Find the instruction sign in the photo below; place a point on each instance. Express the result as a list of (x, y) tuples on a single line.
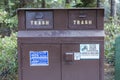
[(89, 51), (39, 58)]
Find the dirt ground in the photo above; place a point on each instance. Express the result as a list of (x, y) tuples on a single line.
[(109, 72)]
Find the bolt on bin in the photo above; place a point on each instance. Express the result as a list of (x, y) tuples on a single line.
[(61, 44)]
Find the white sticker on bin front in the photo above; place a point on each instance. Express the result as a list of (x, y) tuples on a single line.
[(77, 55), (39, 58), (89, 51)]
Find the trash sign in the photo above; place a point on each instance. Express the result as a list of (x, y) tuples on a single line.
[(39, 58)]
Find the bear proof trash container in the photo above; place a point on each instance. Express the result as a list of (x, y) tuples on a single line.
[(61, 44)]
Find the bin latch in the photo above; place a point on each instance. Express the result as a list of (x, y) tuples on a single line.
[(69, 56)]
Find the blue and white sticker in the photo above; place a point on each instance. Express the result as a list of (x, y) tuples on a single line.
[(90, 51), (39, 58)]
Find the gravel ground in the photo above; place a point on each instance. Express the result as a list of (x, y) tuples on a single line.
[(109, 72)]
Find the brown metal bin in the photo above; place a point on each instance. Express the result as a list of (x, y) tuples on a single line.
[(60, 50)]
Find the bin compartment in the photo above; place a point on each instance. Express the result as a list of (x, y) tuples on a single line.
[(82, 19), (39, 19)]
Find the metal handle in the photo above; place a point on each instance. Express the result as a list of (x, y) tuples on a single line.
[(69, 56), (82, 16), (39, 16)]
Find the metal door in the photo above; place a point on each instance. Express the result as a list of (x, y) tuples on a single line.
[(31, 71), (84, 69)]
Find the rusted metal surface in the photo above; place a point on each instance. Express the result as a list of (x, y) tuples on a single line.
[(21, 22), (100, 19), (60, 32), (60, 19)]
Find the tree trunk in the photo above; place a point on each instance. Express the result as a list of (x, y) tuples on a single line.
[(75, 1), (113, 9), (98, 3), (22, 3), (67, 3), (43, 4), (6, 5)]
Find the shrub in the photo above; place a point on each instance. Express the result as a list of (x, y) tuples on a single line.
[(8, 58), (7, 23), (111, 30)]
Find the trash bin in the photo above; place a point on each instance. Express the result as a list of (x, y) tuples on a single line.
[(61, 44)]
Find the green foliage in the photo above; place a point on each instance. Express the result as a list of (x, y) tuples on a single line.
[(8, 58), (10, 6), (48, 3), (111, 30), (7, 24), (86, 3), (8, 18)]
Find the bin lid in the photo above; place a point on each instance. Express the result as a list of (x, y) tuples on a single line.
[(62, 33)]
